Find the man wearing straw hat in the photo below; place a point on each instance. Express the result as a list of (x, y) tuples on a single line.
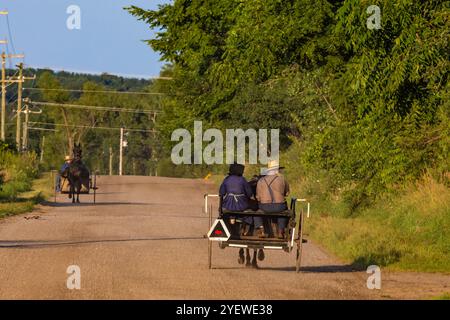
[(271, 191)]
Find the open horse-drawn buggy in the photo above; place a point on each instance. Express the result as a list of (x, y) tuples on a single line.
[(76, 179), (88, 186), (229, 231)]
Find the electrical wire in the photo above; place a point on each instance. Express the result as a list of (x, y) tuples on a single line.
[(77, 106), (14, 97), (42, 129), (95, 91), (11, 40), (8, 55), (91, 127), (34, 80)]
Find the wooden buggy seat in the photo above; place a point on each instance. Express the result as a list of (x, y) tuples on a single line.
[(251, 241)]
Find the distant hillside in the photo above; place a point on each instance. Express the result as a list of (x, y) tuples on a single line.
[(71, 80), (61, 127)]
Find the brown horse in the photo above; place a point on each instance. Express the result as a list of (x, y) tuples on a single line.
[(249, 261), (77, 174), (247, 230), (258, 254)]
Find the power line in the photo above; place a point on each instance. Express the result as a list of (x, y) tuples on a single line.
[(10, 64), (10, 34), (4, 82), (12, 99), (77, 106), (41, 129), (91, 127), (97, 91)]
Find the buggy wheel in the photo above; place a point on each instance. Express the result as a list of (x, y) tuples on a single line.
[(210, 242), (299, 243), (95, 186), (54, 186), (209, 254)]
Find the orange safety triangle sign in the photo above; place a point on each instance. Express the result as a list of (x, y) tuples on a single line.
[(219, 231)]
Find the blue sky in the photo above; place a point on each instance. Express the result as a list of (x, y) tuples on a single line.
[(109, 39)]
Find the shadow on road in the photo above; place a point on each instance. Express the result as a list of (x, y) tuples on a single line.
[(321, 269), (44, 244), (306, 269), (110, 193), (91, 204), (329, 269)]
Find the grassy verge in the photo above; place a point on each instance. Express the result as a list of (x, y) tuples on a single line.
[(409, 231), (445, 296), (41, 189)]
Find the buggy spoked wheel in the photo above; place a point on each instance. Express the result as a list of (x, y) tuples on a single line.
[(54, 185), (94, 187), (299, 243), (209, 242), (209, 255)]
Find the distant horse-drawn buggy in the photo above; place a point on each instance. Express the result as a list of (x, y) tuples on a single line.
[(75, 178)]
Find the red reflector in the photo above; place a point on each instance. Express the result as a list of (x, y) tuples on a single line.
[(218, 232)]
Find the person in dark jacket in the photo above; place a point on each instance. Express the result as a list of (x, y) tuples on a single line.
[(235, 190), (62, 172), (236, 194)]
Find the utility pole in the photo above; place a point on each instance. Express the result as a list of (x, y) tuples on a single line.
[(19, 106), (110, 160), (20, 80), (3, 116), (25, 129), (4, 82), (121, 152), (42, 150), (155, 160), (25, 126)]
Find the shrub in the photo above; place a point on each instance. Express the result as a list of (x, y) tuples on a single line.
[(16, 171)]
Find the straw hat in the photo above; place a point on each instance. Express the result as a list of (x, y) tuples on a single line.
[(67, 158), (272, 165)]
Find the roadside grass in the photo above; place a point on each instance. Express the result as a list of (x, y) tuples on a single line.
[(217, 179), (406, 231), (409, 231), (445, 296), (41, 189)]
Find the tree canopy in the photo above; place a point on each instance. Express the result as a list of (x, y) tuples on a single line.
[(369, 107)]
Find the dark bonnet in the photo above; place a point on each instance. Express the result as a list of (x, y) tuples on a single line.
[(236, 169)]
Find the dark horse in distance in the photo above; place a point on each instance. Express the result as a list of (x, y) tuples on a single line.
[(78, 174)]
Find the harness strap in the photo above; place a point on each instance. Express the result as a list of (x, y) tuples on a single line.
[(270, 189)]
